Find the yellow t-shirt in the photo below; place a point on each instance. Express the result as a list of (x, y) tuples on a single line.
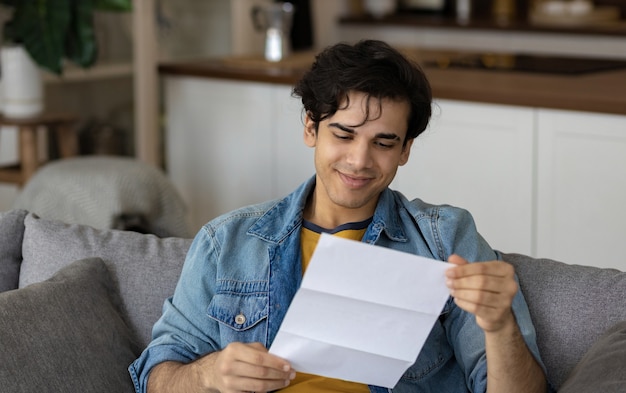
[(308, 383)]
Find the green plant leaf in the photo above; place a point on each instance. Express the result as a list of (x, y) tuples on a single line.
[(80, 41), (114, 5), (41, 25), (52, 30)]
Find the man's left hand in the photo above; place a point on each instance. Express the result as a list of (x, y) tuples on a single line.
[(485, 289)]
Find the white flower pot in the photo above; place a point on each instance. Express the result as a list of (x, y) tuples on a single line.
[(22, 85)]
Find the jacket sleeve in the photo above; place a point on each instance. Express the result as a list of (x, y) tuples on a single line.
[(458, 235)]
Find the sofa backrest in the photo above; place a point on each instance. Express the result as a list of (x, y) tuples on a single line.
[(571, 307), (145, 268)]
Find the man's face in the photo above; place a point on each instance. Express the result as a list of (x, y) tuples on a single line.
[(355, 163)]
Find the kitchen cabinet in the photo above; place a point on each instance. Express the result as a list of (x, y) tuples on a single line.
[(478, 157), (543, 182), (581, 188)]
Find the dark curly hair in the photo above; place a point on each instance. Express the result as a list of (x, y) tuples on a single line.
[(371, 67)]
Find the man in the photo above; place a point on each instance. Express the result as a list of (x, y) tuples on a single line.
[(364, 105)]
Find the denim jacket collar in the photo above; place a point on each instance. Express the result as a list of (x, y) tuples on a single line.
[(387, 217), (286, 216)]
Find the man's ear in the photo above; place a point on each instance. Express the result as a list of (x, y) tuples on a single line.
[(406, 152), (310, 133)]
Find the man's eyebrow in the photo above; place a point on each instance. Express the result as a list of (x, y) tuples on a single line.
[(382, 135), (342, 127), (390, 136)]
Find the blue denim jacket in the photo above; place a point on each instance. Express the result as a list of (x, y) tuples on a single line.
[(244, 268)]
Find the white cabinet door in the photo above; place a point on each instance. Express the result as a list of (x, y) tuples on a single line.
[(218, 144), (293, 161), (230, 144), (582, 188), (478, 157)]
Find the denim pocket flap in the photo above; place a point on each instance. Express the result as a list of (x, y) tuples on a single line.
[(239, 312)]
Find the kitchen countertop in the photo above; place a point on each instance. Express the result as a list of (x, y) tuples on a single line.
[(603, 92)]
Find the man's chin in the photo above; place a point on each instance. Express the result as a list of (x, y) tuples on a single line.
[(349, 202)]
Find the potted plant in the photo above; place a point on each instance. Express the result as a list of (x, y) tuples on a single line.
[(49, 32)]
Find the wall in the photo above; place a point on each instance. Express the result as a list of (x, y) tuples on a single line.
[(194, 28), (477, 40), (328, 31)]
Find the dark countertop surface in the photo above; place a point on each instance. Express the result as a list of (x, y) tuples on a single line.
[(602, 92)]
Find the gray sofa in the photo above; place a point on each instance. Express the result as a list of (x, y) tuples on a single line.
[(87, 300)]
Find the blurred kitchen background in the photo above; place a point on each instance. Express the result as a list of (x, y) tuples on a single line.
[(122, 99), (191, 29)]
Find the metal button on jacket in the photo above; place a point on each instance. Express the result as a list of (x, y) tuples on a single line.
[(240, 319)]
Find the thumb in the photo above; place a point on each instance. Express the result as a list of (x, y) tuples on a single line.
[(457, 260)]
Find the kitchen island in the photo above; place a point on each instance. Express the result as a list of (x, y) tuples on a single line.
[(538, 158)]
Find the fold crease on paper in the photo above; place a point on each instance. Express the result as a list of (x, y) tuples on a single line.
[(362, 313)]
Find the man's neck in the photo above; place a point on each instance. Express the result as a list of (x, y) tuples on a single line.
[(333, 217)]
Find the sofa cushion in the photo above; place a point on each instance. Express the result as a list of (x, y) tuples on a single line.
[(11, 235), (145, 268), (602, 369), (66, 334), (571, 307)]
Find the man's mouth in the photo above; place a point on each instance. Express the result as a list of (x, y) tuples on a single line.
[(353, 181)]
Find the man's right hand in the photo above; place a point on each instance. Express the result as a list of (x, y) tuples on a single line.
[(237, 368)]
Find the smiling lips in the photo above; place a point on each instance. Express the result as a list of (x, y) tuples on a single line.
[(354, 181)]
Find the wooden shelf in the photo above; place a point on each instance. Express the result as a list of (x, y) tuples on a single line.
[(11, 174)]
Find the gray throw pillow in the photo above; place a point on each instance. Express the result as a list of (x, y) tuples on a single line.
[(145, 268), (603, 368), (65, 334), (11, 235)]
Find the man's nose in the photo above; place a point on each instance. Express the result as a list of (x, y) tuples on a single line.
[(359, 155)]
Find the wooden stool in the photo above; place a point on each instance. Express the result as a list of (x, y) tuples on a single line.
[(67, 142)]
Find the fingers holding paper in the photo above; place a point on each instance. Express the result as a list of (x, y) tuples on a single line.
[(249, 367), (485, 289)]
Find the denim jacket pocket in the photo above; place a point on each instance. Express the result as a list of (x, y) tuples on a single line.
[(434, 355), (241, 317)]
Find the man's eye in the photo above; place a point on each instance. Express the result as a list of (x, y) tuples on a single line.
[(384, 145), (344, 137)]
